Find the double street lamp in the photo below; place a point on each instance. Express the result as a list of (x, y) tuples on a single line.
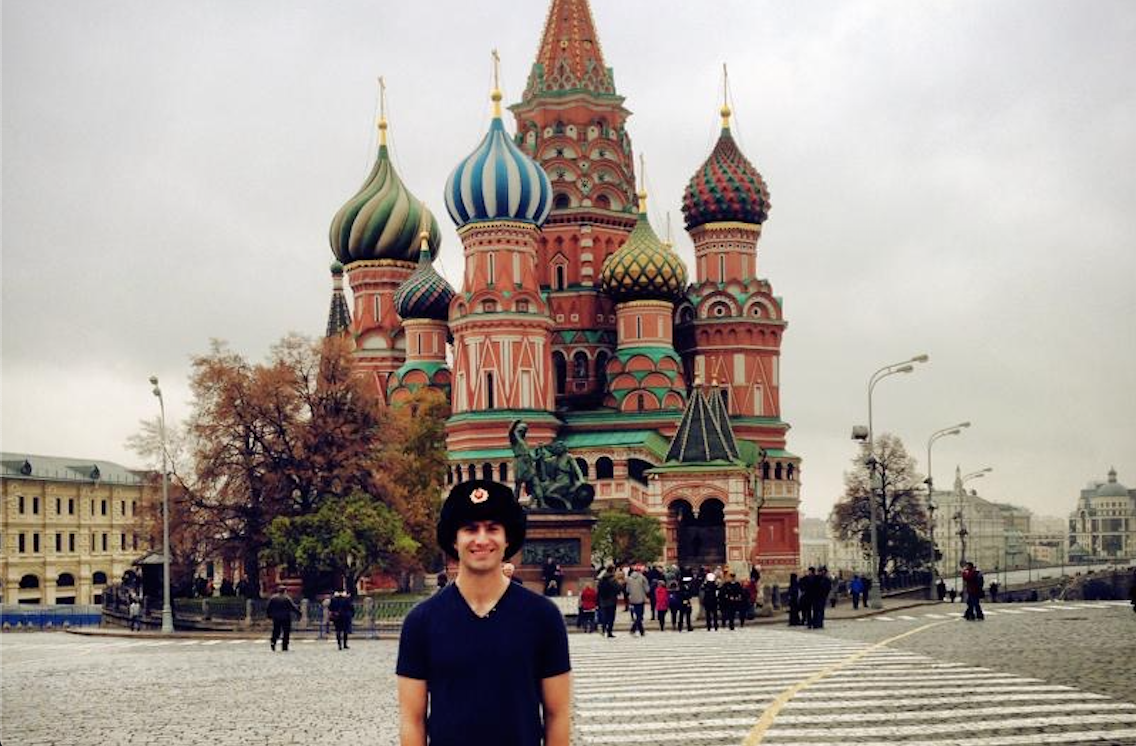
[(930, 481), (167, 610), (960, 517), (875, 598)]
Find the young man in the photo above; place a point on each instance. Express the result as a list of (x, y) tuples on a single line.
[(972, 579), (483, 660)]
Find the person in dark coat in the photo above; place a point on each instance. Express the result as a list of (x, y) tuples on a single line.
[(607, 593), (342, 611), (973, 582), (941, 590), (731, 600), (794, 601), (806, 601), (822, 586), (710, 601), (280, 609)]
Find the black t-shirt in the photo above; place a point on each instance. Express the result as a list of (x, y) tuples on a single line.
[(483, 674)]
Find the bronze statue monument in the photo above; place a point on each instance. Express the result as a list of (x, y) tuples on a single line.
[(549, 474)]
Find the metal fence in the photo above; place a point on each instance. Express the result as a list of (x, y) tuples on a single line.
[(44, 617)]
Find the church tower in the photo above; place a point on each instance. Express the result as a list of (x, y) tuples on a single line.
[(572, 122), (423, 304), (498, 198), (730, 328), (375, 236)]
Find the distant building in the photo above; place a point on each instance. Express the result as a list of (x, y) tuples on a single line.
[(68, 527), (814, 542), (971, 529), (1104, 524)]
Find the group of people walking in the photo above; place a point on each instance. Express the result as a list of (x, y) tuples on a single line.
[(810, 594), (667, 593)]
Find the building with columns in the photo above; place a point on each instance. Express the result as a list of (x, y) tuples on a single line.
[(68, 527), (1103, 526), (576, 318)]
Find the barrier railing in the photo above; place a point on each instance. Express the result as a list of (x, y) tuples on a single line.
[(45, 617)]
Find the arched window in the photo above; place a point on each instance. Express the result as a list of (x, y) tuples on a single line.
[(487, 472), (637, 469), (601, 369), (580, 365), (490, 391), (561, 201), (765, 470), (561, 277), (560, 368), (777, 471), (503, 473), (789, 472), (605, 469), (603, 202), (29, 581), (471, 472), (65, 580), (449, 476), (99, 578), (583, 466)]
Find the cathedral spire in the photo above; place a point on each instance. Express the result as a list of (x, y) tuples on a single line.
[(569, 57)]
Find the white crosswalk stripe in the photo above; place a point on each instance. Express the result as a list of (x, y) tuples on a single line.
[(886, 696)]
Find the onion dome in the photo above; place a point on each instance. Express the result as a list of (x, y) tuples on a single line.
[(383, 219), (726, 187), (497, 181), (644, 268), (425, 294)]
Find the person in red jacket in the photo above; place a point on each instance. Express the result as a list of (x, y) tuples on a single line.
[(973, 582), (662, 601), (589, 599)]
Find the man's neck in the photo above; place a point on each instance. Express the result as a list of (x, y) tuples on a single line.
[(480, 590)]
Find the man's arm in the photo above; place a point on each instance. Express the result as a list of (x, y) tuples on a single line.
[(412, 712), (556, 692)]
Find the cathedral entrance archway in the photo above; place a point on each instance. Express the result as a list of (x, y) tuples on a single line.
[(701, 533)]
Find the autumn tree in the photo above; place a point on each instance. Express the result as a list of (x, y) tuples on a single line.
[(624, 538), (902, 528), (270, 440), (349, 537), (410, 473)]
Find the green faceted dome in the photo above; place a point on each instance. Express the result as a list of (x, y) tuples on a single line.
[(644, 268), (383, 219)]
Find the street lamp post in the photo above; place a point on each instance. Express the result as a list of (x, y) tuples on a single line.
[(962, 481), (875, 598), (942, 433), (167, 610)]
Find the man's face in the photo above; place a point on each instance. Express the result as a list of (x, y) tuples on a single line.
[(481, 546)]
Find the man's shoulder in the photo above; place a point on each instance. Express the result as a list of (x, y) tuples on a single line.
[(427, 607)]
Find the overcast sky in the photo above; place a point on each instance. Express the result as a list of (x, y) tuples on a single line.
[(951, 178)]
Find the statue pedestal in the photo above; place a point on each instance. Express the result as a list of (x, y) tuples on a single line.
[(564, 535)]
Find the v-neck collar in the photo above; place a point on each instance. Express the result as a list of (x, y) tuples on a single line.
[(464, 602)]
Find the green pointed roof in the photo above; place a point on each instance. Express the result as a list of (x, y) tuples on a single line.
[(703, 436)]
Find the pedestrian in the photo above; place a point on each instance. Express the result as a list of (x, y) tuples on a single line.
[(994, 592), (834, 592), (794, 600), (442, 579), (341, 610), (637, 592), (485, 658), (674, 605), (953, 594), (509, 570), (662, 602), (686, 593), (749, 593), (731, 600), (607, 593), (710, 601), (807, 585), (973, 583), (654, 576), (280, 609), (857, 588), (941, 590), (1132, 591), (589, 601), (821, 589), (135, 610)]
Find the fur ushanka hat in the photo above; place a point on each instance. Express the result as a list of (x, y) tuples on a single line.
[(481, 500)]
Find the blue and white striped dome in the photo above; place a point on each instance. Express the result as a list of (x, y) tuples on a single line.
[(498, 182)]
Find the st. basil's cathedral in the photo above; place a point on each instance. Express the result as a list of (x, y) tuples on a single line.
[(574, 317)]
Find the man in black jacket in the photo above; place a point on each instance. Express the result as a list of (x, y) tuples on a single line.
[(341, 610), (821, 586), (280, 610)]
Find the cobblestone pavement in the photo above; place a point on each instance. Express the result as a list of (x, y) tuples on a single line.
[(696, 688)]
